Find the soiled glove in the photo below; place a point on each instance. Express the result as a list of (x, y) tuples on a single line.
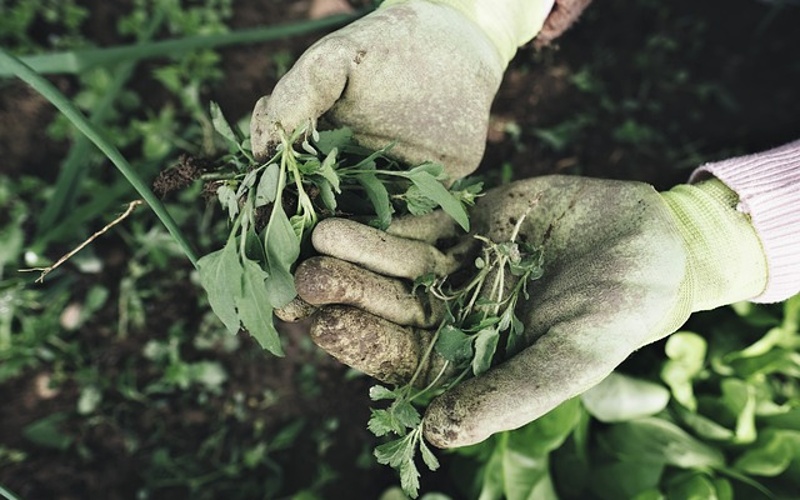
[(420, 74), (624, 267)]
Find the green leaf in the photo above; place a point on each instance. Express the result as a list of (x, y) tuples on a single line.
[(739, 397), (454, 345), (703, 426), (772, 454), (326, 171), (246, 183), (229, 201), (417, 203), (695, 485), (655, 440), (427, 455), (405, 413), (433, 189), (221, 125), (549, 431), (620, 397), (626, 479), (267, 189), (327, 195), (283, 248), (395, 452), (329, 140), (46, 432), (378, 196), (527, 477), (221, 277), (409, 478), (383, 422), (379, 392), (485, 347), (686, 352), (519, 466), (254, 308), (467, 190)]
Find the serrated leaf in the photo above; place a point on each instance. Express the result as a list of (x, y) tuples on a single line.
[(434, 190), (383, 422), (221, 277), (427, 455), (267, 189), (405, 413), (409, 478), (254, 308), (378, 196), (395, 452)]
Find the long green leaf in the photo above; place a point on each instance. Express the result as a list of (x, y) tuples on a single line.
[(52, 94), (5, 493), (221, 276), (436, 191), (81, 154), (74, 62), (254, 310)]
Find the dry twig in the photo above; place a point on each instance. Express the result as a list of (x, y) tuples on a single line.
[(47, 270)]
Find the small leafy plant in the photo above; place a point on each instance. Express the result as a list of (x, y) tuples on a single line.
[(273, 206), (478, 315)]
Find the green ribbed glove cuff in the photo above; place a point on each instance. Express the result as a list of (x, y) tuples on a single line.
[(507, 23), (726, 262)]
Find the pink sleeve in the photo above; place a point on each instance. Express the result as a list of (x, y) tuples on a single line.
[(768, 185)]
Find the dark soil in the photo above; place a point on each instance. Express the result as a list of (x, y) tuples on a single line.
[(641, 90)]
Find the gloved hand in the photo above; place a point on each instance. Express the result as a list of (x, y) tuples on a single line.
[(420, 74), (623, 267)]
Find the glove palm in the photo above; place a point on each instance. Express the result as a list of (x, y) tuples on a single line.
[(624, 266)]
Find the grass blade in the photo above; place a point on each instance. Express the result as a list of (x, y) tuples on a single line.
[(73, 62), (75, 165), (52, 94)]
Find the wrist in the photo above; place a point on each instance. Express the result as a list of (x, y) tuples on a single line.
[(726, 261), (507, 24)]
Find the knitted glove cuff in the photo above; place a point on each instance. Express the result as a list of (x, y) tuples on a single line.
[(768, 186), (507, 23), (726, 262)]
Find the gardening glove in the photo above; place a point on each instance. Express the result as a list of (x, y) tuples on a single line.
[(624, 266), (419, 74)]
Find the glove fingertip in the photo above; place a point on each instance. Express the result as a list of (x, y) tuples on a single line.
[(260, 129), (295, 311), (444, 421)]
